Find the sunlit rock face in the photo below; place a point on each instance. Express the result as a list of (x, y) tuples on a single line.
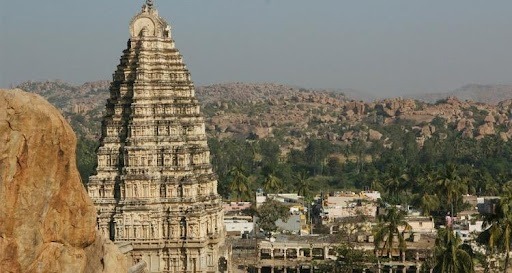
[(154, 186), (47, 221)]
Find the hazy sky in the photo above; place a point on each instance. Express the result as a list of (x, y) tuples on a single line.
[(384, 47)]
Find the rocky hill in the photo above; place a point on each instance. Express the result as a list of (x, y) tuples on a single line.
[(254, 93), (295, 114), (68, 97), (82, 105)]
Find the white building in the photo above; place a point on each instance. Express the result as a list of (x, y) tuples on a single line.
[(285, 198), (238, 225)]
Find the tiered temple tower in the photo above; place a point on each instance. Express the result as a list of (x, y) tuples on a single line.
[(154, 186)]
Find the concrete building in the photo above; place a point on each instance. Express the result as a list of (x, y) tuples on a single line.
[(348, 204), (487, 204), (305, 254), (237, 226), (154, 187), (236, 207), (285, 198)]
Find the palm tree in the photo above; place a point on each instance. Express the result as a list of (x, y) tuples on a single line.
[(396, 182), (498, 233), (424, 189), (450, 255), (272, 183), (391, 225), (376, 185), (451, 185), (303, 186), (239, 183), (429, 203), (486, 184)]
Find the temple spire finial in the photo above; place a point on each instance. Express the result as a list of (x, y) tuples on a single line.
[(149, 3)]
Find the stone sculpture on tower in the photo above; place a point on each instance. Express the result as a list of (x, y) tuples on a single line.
[(154, 186)]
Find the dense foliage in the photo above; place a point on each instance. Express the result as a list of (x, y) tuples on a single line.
[(497, 237), (444, 168), (86, 157)]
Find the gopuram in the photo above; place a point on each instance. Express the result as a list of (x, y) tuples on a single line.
[(154, 186)]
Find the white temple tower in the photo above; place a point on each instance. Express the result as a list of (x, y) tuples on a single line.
[(154, 186)]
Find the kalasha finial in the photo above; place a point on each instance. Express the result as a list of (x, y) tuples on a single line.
[(149, 3)]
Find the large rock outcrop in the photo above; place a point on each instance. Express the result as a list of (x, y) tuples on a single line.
[(47, 221)]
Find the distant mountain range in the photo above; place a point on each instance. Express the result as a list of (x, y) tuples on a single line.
[(490, 94)]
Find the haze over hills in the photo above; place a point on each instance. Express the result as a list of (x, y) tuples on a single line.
[(89, 92), (490, 93)]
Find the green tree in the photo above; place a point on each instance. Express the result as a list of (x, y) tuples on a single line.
[(358, 148), (334, 167), (86, 157), (316, 152), (498, 225), (351, 226), (451, 185), (272, 183), (351, 258), (269, 212), (391, 225), (303, 184), (395, 183), (239, 184), (425, 195), (227, 153), (269, 151), (450, 254), (429, 203), (486, 184)]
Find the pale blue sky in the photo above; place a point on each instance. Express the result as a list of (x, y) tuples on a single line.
[(384, 47)]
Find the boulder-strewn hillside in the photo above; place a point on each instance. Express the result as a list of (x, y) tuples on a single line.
[(296, 114), (254, 93), (68, 97), (82, 105)]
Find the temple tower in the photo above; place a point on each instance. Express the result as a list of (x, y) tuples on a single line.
[(154, 186)]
